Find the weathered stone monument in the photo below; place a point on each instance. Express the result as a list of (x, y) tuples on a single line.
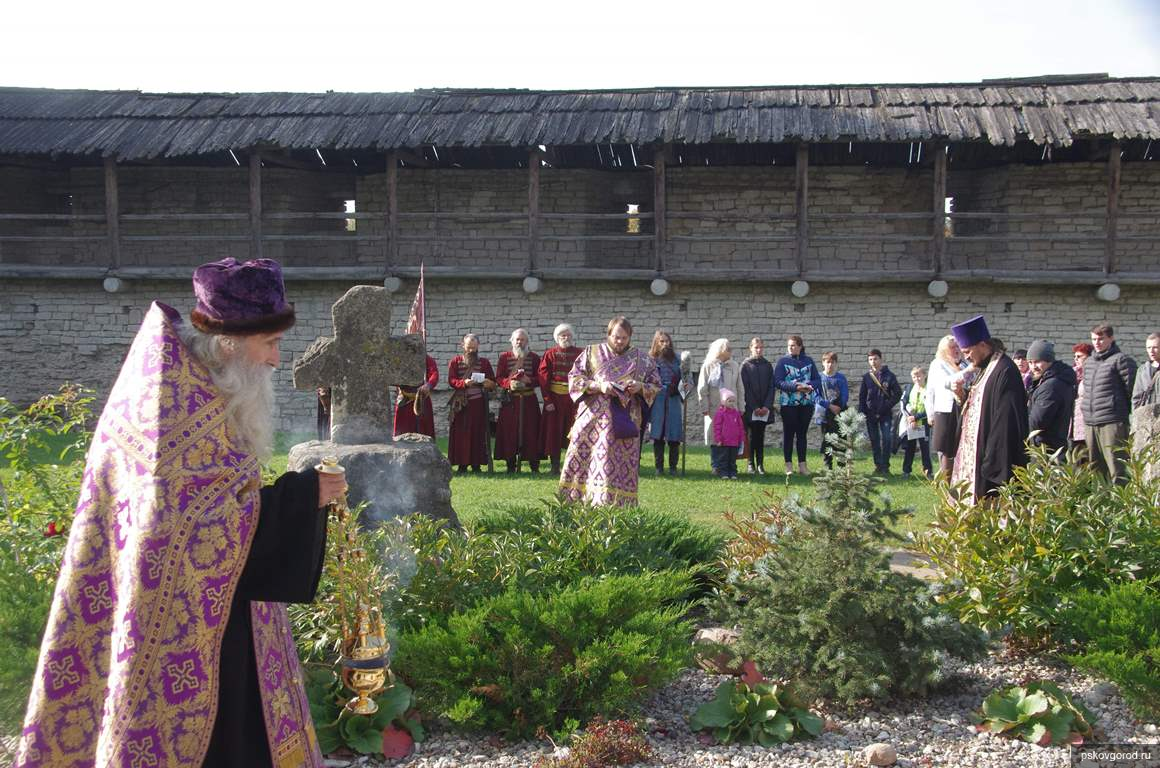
[(1146, 436), (360, 363)]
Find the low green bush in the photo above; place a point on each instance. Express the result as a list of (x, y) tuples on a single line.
[(38, 497), (522, 661), (1116, 635), (823, 608), (1014, 563), (530, 548), (29, 562), (608, 539)]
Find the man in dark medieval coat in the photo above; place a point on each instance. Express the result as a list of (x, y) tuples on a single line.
[(517, 435), (471, 377), (413, 408), (994, 420), (168, 643), (559, 408)]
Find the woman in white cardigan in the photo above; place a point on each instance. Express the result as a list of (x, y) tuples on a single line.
[(719, 371), (941, 405)]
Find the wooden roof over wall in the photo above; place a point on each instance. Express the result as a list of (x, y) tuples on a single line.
[(131, 125)]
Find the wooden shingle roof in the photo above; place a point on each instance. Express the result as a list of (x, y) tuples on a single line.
[(131, 125)]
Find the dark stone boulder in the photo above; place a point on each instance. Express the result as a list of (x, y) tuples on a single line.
[(396, 479)]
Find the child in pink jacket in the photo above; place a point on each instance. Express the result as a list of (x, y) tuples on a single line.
[(728, 434)]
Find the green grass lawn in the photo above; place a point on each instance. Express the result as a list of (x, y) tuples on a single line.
[(698, 494)]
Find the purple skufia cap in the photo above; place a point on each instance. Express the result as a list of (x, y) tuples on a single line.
[(241, 298), (970, 332)]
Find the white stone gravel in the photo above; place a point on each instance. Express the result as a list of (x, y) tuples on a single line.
[(925, 732)]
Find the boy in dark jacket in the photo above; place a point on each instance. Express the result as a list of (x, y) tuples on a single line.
[(1051, 399), (876, 400)]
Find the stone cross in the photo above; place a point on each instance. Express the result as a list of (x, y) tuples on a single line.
[(359, 363), (1146, 437)]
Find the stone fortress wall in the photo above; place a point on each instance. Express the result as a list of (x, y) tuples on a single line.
[(57, 330), (743, 200)]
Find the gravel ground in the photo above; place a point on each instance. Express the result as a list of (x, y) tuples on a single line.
[(930, 732)]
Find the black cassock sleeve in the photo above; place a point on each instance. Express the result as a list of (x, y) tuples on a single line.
[(1004, 425), (285, 561), (284, 566)]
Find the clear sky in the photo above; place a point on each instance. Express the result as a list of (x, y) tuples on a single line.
[(400, 45)]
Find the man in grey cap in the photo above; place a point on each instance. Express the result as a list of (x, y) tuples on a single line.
[(1051, 398)]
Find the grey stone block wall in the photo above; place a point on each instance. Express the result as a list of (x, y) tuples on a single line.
[(57, 331), (52, 332)]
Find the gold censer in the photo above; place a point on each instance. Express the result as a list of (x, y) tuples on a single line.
[(364, 638)]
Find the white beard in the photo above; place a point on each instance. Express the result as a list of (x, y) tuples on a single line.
[(520, 351), (249, 388)]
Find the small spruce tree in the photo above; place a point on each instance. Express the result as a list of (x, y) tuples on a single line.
[(823, 607)]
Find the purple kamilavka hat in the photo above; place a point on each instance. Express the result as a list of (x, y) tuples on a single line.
[(970, 332), (241, 297)]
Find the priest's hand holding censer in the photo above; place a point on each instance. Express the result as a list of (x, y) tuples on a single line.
[(364, 641)]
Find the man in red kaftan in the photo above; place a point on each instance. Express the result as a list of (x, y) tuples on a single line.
[(559, 408), (472, 378), (517, 435), (413, 410)]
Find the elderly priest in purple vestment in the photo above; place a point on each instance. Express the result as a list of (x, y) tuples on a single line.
[(993, 432), (167, 643)]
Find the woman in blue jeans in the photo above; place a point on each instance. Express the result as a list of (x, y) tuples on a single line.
[(796, 378)]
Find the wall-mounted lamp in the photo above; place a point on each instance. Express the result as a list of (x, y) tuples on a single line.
[(1108, 292)]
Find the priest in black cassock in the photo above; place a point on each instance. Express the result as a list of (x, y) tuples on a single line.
[(993, 432)]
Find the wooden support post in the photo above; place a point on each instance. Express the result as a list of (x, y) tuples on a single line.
[(392, 255), (534, 157), (112, 213), (938, 241), (660, 224), (1113, 209), (802, 202), (255, 204)]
